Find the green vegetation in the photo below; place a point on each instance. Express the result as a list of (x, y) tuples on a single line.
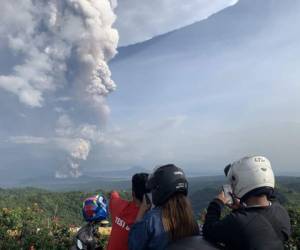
[(294, 242), (32, 218), (41, 219), (29, 228), (65, 205)]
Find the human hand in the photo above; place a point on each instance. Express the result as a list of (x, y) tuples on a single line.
[(226, 201), (144, 207), (235, 205), (146, 203), (221, 197), (203, 216)]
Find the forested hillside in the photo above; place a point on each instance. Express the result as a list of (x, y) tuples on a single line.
[(44, 219)]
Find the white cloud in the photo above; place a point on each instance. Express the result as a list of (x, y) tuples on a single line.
[(45, 35), (20, 87), (64, 99), (141, 20), (60, 46), (27, 139), (147, 142)]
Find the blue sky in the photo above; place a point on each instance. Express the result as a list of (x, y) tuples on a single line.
[(201, 96), (214, 91)]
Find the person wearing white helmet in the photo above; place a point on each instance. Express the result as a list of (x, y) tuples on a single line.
[(255, 222)]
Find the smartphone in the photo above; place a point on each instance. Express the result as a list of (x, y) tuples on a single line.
[(228, 193)]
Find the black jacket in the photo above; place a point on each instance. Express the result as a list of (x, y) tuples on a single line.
[(86, 238), (248, 228)]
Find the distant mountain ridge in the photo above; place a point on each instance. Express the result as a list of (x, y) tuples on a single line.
[(103, 179), (126, 173), (225, 24), (113, 179)]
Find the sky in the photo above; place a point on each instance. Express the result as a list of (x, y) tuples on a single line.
[(200, 97), (214, 91)]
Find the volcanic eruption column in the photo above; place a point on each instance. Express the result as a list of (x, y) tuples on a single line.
[(54, 38)]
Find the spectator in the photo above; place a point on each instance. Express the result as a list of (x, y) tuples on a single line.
[(256, 222), (123, 212), (172, 217), (94, 211)]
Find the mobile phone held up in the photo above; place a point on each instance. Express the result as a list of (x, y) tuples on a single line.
[(228, 193), (148, 197)]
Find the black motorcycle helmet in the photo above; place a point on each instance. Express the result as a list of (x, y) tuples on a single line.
[(165, 181)]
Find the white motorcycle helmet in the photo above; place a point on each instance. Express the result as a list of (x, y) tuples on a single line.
[(249, 174)]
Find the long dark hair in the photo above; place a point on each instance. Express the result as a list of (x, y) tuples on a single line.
[(178, 217)]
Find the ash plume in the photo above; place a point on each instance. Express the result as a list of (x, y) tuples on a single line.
[(79, 150), (46, 36), (77, 142), (60, 45)]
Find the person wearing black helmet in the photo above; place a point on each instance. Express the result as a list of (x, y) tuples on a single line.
[(171, 218), (257, 222)]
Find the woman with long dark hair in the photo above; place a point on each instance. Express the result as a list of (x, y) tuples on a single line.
[(172, 217)]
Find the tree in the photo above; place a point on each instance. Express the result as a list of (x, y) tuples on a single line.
[(294, 242)]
